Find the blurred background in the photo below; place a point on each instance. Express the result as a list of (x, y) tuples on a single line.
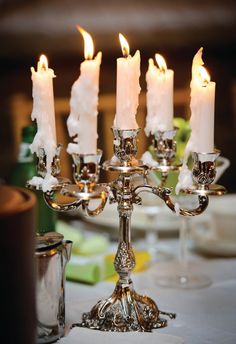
[(176, 29)]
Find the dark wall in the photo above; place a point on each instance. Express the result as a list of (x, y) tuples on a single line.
[(20, 50)]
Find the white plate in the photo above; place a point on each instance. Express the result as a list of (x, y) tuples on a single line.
[(206, 243), (205, 240)]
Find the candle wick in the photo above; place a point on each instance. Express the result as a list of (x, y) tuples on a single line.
[(205, 83), (163, 70), (125, 52)]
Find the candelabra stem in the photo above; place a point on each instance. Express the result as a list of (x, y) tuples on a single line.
[(125, 260), (125, 223)]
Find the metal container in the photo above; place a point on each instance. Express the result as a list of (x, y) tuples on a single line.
[(52, 254)]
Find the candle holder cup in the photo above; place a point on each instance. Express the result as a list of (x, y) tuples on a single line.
[(126, 310), (204, 173), (42, 162), (164, 148), (42, 171), (86, 167)]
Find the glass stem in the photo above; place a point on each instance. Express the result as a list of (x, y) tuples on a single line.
[(183, 246), (151, 236)]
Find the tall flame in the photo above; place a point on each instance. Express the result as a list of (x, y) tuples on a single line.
[(161, 63), (43, 63), (88, 44), (124, 45), (204, 75)]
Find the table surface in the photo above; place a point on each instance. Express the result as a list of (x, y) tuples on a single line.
[(204, 316)]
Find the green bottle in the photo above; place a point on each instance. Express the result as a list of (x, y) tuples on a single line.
[(25, 169)]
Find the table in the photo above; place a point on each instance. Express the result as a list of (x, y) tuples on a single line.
[(204, 316)]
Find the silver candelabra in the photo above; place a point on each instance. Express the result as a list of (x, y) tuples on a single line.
[(125, 310)]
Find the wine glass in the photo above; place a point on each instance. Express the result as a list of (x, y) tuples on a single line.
[(184, 279)]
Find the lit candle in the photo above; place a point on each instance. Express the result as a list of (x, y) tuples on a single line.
[(202, 108), (127, 88), (159, 96), (202, 118), (82, 121), (43, 111)]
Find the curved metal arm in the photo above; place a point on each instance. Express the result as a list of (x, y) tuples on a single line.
[(63, 207), (164, 194), (99, 208), (203, 201), (81, 195)]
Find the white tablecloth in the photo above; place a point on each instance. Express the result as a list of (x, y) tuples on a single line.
[(204, 316)]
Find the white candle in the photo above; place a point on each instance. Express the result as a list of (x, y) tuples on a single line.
[(82, 121), (202, 118), (43, 111), (127, 88), (160, 86), (202, 108)]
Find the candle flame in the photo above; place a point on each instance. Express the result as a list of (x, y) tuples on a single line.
[(204, 75), (43, 63), (124, 45), (161, 63), (88, 44)]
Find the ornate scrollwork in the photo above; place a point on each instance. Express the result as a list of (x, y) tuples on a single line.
[(86, 167), (55, 166), (125, 259), (125, 311), (204, 172)]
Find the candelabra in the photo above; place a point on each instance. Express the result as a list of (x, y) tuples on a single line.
[(125, 310)]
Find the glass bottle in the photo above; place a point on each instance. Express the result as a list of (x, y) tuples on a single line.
[(25, 168)]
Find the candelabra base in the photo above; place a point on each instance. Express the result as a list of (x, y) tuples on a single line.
[(125, 311)]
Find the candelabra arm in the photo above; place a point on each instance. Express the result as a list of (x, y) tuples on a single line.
[(164, 194), (203, 201), (144, 188), (98, 210), (49, 198)]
